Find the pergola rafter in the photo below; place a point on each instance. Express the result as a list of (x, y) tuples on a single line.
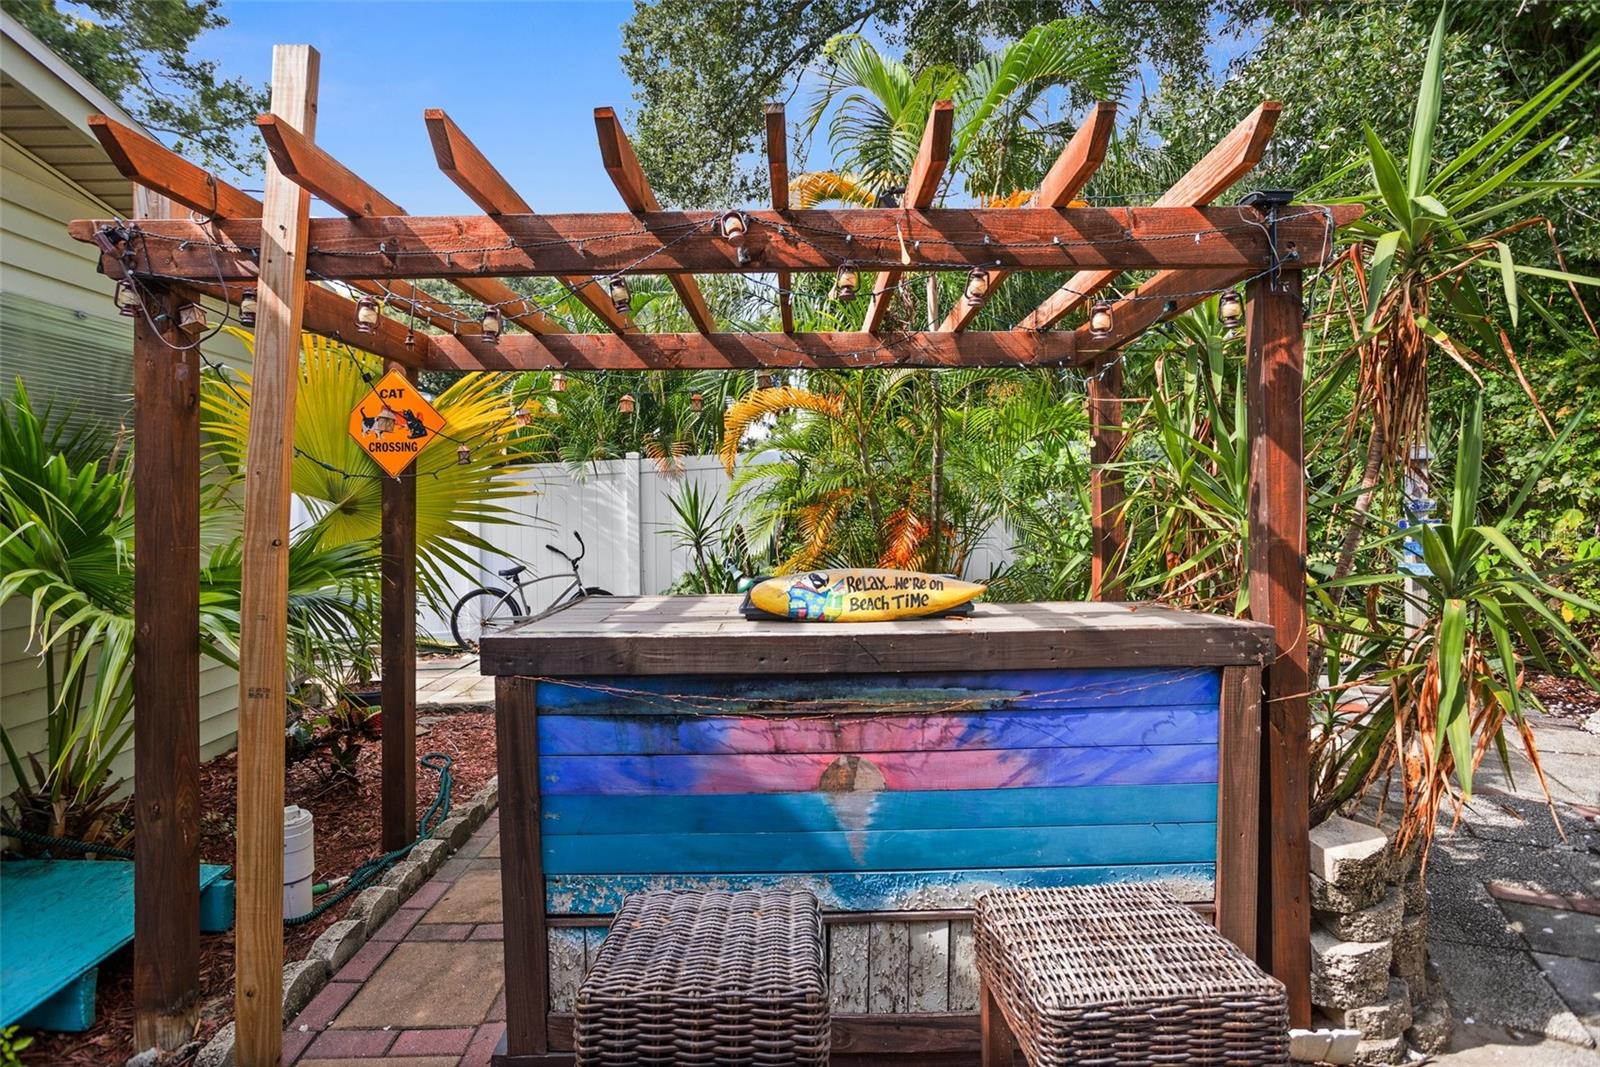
[(277, 248)]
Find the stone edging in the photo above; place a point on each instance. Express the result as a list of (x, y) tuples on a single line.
[(304, 979)]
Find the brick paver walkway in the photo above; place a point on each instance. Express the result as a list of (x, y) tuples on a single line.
[(426, 990)]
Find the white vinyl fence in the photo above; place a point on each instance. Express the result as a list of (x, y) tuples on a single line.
[(623, 510)]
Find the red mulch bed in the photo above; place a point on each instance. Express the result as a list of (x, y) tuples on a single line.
[(1564, 696), (347, 829)]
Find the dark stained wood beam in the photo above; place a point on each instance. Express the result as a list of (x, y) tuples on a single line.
[(330, 181), (1072, 170), (1107, 497), (815, 240), (397, 562), (1233, 157), (745, 351), (921, 187), (470, 169), (154, 166), (778, 176), (616, 152)]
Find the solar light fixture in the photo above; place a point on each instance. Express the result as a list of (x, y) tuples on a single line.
[(621, 295), (1100, 320), (127, 298), (247, 308), (625, 405), (367, 314), (191, 319), (384, 420), (463, 455), (696, 402), (522, 415), (491, 324)]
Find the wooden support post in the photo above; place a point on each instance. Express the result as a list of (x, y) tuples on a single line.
[(1239, 806), (1105, 485), (166, 677), (399, 660), (522, 868), (258, 938), (1276, 347)]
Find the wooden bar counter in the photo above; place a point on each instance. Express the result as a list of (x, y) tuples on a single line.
[(895, 769)]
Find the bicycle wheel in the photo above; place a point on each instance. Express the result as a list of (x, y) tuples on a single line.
[(481, 611)]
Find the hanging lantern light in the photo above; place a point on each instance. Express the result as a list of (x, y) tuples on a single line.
[(127, 298), (697, 402), (247, 308), (463, 455), (1232, 308), (977, 285), (845, 284), (558, 382), (625, 405), (384, 420), (191, 319), (733, 225), (621, 295), (367, 314), (522, 415), (491, 323), (767, 381), (1100, 320)]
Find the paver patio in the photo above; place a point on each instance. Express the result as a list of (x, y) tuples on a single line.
[(1514, 931), (452, 679)]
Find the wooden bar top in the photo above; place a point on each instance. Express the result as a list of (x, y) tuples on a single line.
[(707, 635)]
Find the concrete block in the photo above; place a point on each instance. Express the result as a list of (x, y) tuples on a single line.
[(429, 854), (1349, 855), (1431, 1026), (302, 980), (455, 830), (1383, 1050), (1323, 1045), (1376, 923), (1410, 951), (375, 904), (1387, 1018), (490, 793), (1327, 897), (334, 947), (1414, 891), (1348, 974), (218, 1052), (405, 877)]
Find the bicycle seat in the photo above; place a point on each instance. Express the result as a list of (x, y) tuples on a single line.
[(510, 573)]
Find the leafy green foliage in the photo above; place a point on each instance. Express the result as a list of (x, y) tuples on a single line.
[(137, 53)]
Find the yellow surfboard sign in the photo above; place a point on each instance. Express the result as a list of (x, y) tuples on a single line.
[(861, 595)]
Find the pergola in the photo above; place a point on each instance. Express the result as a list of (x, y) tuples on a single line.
[(226, 242)]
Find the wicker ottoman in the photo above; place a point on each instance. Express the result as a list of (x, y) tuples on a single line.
[(1119, 974), (707, 978)]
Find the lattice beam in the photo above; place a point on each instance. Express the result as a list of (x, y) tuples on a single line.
[(921, 188), (778, 176)]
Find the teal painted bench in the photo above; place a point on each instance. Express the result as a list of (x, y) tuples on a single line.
[(59, 919)]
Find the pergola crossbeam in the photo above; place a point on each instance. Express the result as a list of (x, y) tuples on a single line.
[(622, 164), (1233, 157), (921, 187), (463, 163), (778, 176), (1072, 170), (336, 185)]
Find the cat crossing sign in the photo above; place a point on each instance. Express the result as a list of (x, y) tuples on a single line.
[(393, 423)]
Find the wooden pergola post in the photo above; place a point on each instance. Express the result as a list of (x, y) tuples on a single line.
[(398, 553), (166, 670), (1276, 355), (1109, 532), (281, 292)]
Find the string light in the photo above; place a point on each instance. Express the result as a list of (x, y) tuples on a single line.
[(733, 225), (621, 295), (463, 455), (384, 421), (1231, 306), (696, 402), (625, 405), (367, 314), (492, 322), (247, 308), (1101, 320), (558, 382), (845, 284), (977, 285), (192, 319), (522, 415), (127, 299)]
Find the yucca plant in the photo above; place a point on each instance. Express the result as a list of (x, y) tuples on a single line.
[(1451, 675)]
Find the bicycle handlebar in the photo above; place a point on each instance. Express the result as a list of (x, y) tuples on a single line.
[(582, 548)]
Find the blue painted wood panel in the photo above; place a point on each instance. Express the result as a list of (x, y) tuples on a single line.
[(882, 850), (874, 891), (590, 815), (805, 772), (789, 694), (574, 735)]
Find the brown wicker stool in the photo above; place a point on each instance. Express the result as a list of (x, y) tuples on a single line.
[(1119, 974), (707, 978)]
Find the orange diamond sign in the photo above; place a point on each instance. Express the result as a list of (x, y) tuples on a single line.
[(394, 423)]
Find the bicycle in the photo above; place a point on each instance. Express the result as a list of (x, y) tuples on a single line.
[(487, 608)]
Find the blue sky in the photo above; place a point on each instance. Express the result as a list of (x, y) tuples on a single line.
[(521, 78)]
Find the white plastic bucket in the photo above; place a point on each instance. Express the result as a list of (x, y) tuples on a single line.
[(299, 857)]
